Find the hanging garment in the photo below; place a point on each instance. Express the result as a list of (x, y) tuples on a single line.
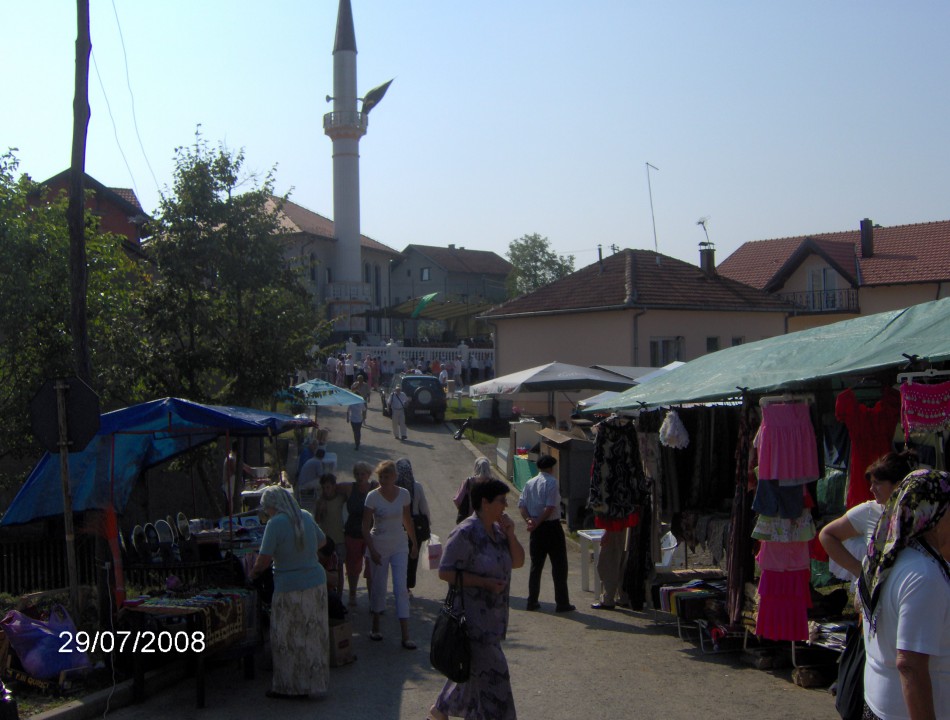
[(776, 501), (776, 529), (788, 450), (872, 432), (617, 481), (740, 566), (925, 408), (672, 432), (784, 600)]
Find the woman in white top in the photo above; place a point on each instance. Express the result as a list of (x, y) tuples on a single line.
[(846, 539), (387, 523)]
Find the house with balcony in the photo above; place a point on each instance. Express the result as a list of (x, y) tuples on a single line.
[(836, 276), (633, 308), (309, 244)]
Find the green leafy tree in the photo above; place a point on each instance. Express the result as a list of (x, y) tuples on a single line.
[(226, 317), (35, 339), (535, 264)]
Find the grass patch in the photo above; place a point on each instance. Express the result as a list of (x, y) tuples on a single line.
[(454, 412)]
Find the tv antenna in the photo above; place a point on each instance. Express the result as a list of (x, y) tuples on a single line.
[(702, 221)]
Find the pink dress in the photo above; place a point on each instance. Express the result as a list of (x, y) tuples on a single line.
[(788, 450)]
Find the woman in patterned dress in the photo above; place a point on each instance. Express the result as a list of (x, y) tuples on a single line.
[(299, 626), (484, 548)]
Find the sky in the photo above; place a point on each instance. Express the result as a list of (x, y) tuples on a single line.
[(771, 119)]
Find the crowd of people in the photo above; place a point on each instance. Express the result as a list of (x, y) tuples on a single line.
[(895, 548), (371, 528), (343, 370)]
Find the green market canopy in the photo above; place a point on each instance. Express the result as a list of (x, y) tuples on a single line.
[(796, 361)]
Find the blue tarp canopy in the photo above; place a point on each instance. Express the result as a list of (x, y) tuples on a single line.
[(798, 360), (129, 441)]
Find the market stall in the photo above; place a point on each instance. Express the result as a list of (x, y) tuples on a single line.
[(807, 406)]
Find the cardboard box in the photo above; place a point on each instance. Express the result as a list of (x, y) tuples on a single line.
[(341, 644)]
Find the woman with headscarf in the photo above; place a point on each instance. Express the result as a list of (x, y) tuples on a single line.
[(462, 498), (905, 597), (386, 525), (299, 629), (418, 506)]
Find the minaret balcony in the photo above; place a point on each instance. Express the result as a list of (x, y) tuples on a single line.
[(345, 121)]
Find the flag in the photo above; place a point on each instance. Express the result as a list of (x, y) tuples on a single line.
[(425, 300), (375, 95)]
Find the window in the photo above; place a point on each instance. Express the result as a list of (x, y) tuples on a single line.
[(737, 340), (329, 276), (712, 344), (424, 274), (664, 350), (822, 289), (313, 267)]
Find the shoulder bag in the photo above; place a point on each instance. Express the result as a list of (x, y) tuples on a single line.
[(420, 521), (450, 652)]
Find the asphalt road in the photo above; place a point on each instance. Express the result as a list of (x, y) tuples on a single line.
[(585, 664)]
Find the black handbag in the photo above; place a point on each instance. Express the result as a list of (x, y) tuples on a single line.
[(849, 697), (423, 531), (420, 522), (450, 652)]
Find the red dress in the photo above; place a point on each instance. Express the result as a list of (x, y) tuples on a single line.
[(871, 430)]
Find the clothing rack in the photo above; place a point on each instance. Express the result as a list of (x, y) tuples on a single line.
[(787, 398)]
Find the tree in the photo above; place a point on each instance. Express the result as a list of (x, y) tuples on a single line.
[(535, 264), (227, 319), (35, 335)]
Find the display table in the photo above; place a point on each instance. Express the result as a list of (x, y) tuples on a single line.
[(590, 539), (226, 618), (523, 470)]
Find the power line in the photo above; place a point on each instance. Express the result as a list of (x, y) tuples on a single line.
[(115, 130), (128, 82)]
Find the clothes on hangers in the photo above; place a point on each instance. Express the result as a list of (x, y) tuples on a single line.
[(871, 430), (618, 483), (925, 408), (788, 450)]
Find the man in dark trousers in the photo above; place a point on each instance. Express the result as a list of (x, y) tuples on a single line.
[(540, 506)]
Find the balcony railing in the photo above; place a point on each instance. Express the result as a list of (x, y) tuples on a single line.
[(824, 301), (349, 292), (349, 119)]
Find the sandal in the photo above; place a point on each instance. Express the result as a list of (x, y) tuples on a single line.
[(377, 636), (409, 644)]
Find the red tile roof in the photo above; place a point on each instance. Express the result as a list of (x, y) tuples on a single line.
[(295, 218), (640, 278), (902, 254), (461, 260)]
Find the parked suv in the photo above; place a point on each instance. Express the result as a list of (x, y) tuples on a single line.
[(424, 392)]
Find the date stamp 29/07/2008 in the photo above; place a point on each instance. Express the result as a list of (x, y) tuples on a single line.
[(145, 641)]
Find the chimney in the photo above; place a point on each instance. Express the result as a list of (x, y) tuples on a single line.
[(600, 256), (867, 238), (451, 246), (707, 258)]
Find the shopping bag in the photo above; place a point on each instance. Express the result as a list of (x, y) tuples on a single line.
[(450, 652), (45, 648), (849, 699), (435, 552)]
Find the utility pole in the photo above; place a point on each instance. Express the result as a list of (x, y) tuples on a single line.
[(75, 214)]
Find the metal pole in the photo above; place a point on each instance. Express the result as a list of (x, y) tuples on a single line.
[(652, 216), (61, 387)]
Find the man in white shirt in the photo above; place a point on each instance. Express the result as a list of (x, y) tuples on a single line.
[(397, 406), (540, 506)]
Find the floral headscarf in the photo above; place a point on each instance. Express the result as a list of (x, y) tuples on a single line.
[(404, 476), (917, 505)]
